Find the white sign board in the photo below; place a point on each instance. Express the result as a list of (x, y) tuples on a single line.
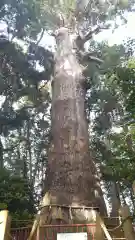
[(72, 236)]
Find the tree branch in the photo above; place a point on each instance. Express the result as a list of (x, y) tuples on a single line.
[(80, 41), (41, 36), (10, 149), (89, 57), (90, 34), (13, 147), (95, 59)]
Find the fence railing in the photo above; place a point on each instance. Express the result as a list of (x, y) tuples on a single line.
[(20, 233), (49, 232)]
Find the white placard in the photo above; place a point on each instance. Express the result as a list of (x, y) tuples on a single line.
[(72, 236)]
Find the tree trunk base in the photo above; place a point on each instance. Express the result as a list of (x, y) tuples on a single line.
[(58, 215), (68, 214), (56, 218)]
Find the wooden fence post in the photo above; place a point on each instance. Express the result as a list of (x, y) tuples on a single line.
[(34, 227), (133, 186), (127, 223), (4, 225), (99, 231), (103, 228)]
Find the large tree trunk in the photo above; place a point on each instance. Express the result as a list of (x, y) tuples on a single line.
[(72, 178)]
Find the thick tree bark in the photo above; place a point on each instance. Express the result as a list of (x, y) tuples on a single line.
[(72, 178)]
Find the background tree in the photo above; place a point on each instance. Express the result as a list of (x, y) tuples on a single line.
[(112, 136), (24, 97)]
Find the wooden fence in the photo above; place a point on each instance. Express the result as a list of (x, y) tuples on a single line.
[(95, 231)]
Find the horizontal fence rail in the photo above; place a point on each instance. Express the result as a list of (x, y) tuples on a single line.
[(50, 231), (20, 233)]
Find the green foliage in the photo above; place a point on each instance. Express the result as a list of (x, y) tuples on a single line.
[(126, 80), (15, 195), (82, 14), (110, 101), (22, 17), (23, 137)]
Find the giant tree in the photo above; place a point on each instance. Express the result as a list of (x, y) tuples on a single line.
[(72, 178)]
